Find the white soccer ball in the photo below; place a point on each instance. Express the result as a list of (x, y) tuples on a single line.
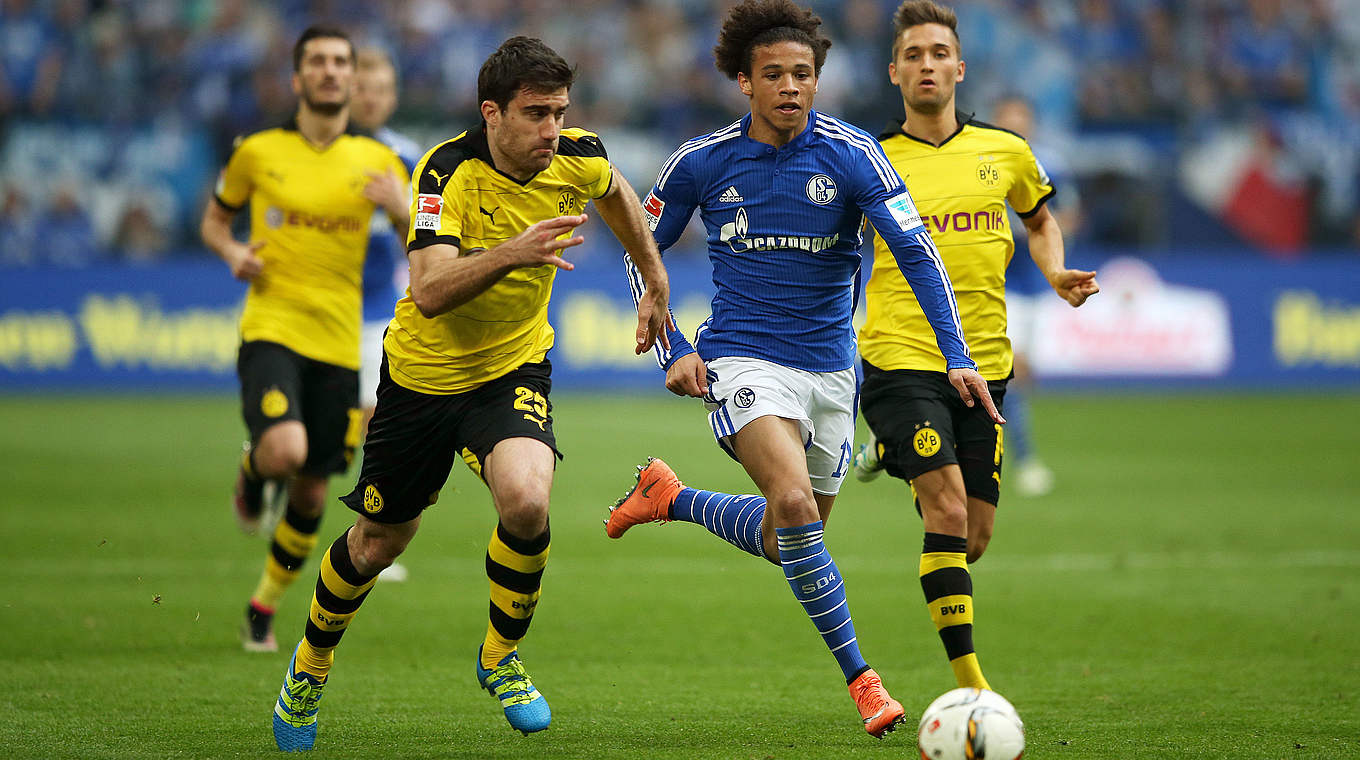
[(971, 724)]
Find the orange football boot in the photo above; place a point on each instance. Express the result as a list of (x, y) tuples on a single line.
[(881, 712), (649, 500)]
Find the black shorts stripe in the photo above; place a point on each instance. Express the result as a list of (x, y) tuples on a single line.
[(947, 581), (958, 640), (520, 583), (511, 628), (322, 639), (334, 604)]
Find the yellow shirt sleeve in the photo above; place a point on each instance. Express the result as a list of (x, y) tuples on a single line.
[(437, 203), (234, 183), (604, 178), (1032, 186)]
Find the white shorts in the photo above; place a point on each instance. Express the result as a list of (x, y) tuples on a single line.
[(822, 403), (370, 359)]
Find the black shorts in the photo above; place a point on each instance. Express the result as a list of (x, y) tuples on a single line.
[(414, 437), (280, 384), (922, 425)]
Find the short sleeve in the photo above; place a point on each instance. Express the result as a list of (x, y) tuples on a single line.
[(436, 200), (234, 183), (1032, 186), (603, 179), (596, 173)]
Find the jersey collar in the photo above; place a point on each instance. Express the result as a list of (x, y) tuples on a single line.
[(477, 140), (894, 129), (350, 129), (756, 147)]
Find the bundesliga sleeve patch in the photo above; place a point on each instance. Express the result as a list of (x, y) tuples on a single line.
[(428, 210), (904, 211), (652, 208)]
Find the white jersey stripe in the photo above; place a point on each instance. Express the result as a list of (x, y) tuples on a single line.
[(837, 131), (861, 139), (636, 288), (726, 133), (923, 238)]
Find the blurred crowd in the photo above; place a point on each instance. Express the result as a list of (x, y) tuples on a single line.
[(116, 114)]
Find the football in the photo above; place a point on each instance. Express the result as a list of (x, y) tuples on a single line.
[(971, 724)]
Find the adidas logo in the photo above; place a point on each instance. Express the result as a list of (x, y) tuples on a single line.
[(730, 195)]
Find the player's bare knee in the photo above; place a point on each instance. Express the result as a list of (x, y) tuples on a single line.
[(307, 495), (373, 547), (375, 554), (793, 507), (944, 513), (282, 450), (524, 515)]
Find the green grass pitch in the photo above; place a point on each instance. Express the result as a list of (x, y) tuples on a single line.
[(1188, 591)]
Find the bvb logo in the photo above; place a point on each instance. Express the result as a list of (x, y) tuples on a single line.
[(566, 204), (373, 501), (926, 442), (274, 403), (988, 174)]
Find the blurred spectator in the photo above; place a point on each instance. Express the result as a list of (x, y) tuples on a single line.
[(1153, 79), (30, 58), (141, 238), (18, 228), (1262, 59), (66, 229)]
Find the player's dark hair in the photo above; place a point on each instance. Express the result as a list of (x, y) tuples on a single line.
[(765, 22), (319, 31), (519, 63), (916, 12)]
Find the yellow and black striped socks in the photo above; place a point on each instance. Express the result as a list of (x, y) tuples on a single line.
[(514, 567), (948, 588), (340, 589), (294, 539)]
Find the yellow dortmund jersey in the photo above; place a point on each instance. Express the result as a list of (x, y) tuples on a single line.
[(462, 200), (961, 189), (307, 205)]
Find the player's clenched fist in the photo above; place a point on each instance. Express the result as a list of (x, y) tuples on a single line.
[(245, 265)]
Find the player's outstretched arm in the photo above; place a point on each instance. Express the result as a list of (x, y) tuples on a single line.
[(443, 277), (216, 232), (1046, 248), (621, 210)]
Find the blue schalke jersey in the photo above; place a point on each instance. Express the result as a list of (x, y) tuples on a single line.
[(785, 226), (386, 246)]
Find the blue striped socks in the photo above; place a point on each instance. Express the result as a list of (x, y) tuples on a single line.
[(808, 567), (734, 519), (817, 584)]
